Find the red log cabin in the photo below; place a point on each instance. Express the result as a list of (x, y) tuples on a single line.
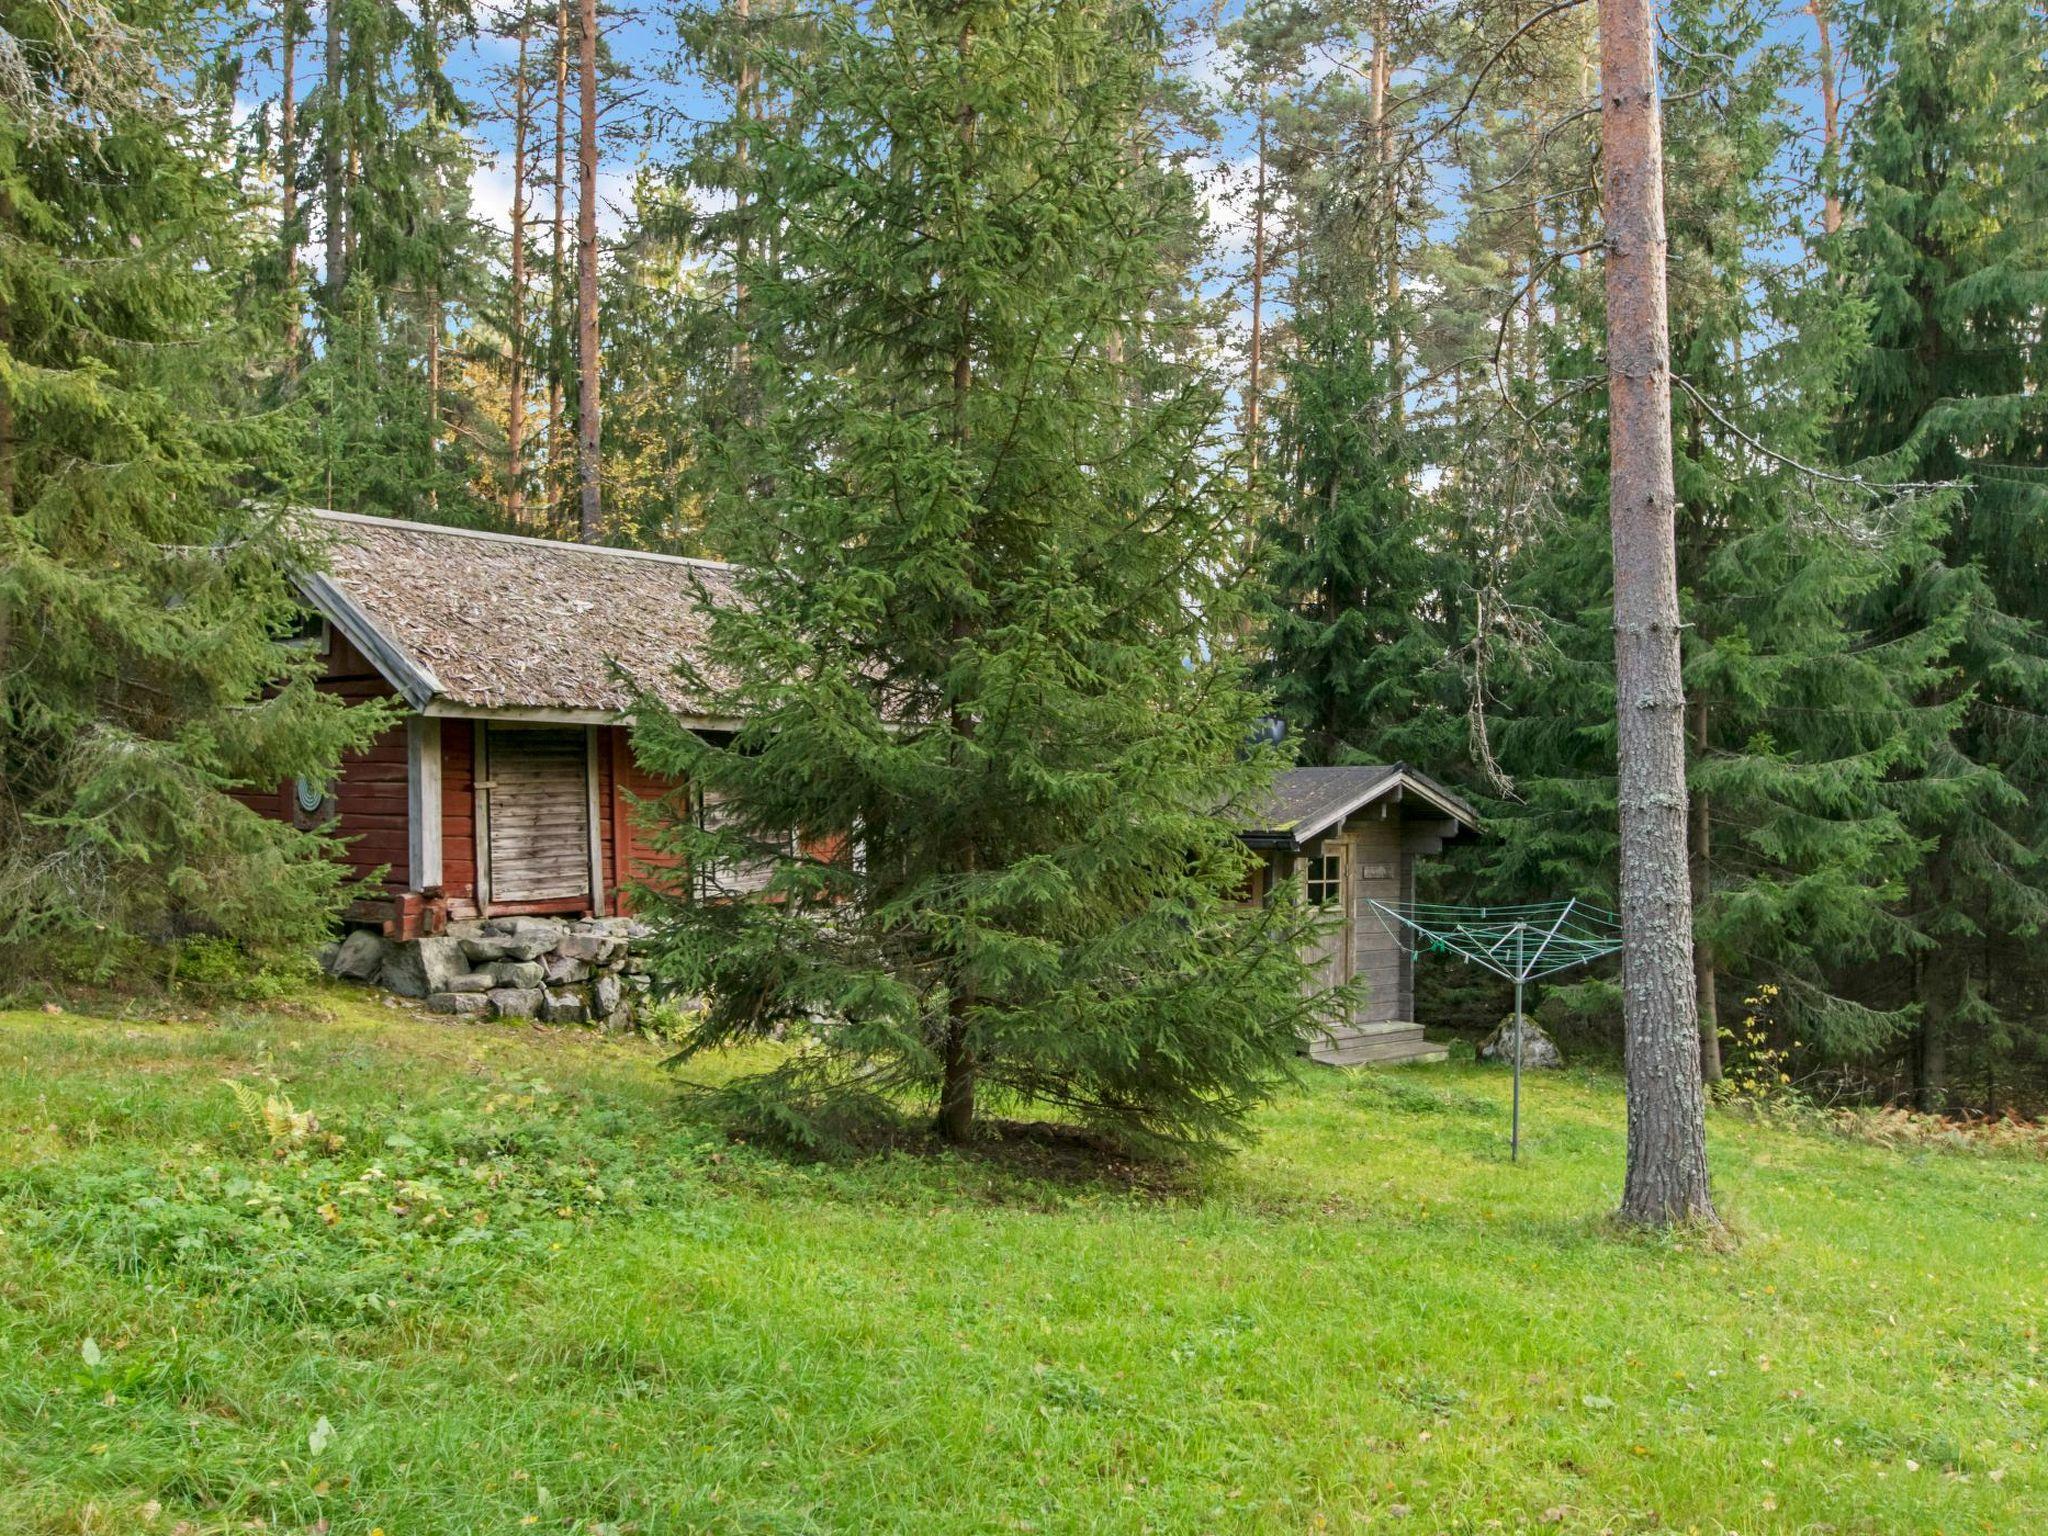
[(510, 785)]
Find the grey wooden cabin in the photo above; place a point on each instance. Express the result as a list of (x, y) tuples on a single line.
[(1354, 835)]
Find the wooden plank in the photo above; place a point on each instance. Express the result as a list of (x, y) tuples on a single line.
[(423, 802), (593, 828), (480, 785), (618, 745), (541, 831)]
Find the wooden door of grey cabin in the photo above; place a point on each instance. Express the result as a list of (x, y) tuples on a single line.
[(538, 840), (1380, 958)]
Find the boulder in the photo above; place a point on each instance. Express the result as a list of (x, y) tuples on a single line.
[(360, 957), (457, 1002), (491, 947), (586, 946), (565, 970), (324, 956), (565, 1008), (1539, 1051), (606, 995), (472, 981), (516, 973), (465, 928), (516, 1002), (549, 928), (423, 967), (618, 1022)]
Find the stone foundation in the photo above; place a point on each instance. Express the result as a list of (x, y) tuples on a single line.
[(561, 970)]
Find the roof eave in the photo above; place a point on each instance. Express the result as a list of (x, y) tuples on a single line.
[(414, 680), (1404, 779), (548, 714)]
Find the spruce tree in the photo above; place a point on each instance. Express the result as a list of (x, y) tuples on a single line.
[(1357, 665), (980, 669), (1948, 236), (143, 607), (1350, 579)]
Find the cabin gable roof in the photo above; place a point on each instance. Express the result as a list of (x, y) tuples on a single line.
[(1307, 803), (464, 622)]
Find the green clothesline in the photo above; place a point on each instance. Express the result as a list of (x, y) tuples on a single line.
[(1522, 943)]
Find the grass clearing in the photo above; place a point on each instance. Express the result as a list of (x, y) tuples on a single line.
[(505, 1284)]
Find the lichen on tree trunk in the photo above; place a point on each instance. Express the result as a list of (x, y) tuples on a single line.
[(1667, 1151)]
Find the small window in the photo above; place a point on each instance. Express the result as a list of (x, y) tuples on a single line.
[(1326, 880)]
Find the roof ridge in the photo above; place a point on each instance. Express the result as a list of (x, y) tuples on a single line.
[(329, 514)]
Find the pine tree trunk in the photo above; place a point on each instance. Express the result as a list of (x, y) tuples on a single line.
[(1830, 111), (515, 320), (1390, 191), (354, 165), (1251, 409), (435, 319), (588, 402), (558, 457), (331, 163), (288, 163), (743, 112), (1707, 981), (1667, 1144)]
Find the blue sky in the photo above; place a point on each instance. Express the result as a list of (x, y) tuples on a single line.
[(668, 100)]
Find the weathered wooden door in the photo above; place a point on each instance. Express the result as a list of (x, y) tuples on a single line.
[(1380, 957), (539, 834)]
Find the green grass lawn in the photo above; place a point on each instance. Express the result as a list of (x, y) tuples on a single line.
[(506, 1283)]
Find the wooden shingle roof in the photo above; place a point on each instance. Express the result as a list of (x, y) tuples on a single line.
[(466, 622), (1306, 803)]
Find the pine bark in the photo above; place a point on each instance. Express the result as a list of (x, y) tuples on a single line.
[(1390, 192), (1252, 383), (588, 402), (331, 162), (288, 177), (743, 114), (558, 457), (1667, 1145), (1706, 979), (515, 320), (1830, 110)]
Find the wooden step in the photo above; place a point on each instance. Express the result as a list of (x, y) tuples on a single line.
[(1389, 1042)]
